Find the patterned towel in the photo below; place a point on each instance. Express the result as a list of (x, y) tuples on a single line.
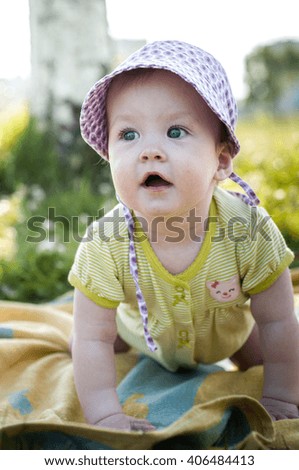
[(206, 408)]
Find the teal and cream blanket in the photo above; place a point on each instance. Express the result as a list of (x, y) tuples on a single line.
[(207, 408)]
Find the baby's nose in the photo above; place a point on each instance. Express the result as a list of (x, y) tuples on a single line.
[(152, 154)]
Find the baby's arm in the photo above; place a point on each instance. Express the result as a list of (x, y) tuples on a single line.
[(94, 335), (274, 313)]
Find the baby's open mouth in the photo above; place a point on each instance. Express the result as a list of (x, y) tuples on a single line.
[(155, 180)]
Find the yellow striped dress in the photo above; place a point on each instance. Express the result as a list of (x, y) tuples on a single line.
[(199, 315)]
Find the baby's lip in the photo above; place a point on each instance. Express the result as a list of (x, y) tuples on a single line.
[(155, 178)]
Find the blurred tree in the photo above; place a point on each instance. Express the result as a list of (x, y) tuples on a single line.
[(272, 76), (70, 50)]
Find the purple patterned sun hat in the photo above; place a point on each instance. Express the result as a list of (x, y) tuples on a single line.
[(197, 67)]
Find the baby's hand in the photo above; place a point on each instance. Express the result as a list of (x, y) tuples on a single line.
[(140, 425), (125, 423), (278, 409)]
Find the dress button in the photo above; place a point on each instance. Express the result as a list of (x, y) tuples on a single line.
[(183, 339), (179, 296)]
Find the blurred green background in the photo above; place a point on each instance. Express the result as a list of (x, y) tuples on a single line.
[(43, 214)]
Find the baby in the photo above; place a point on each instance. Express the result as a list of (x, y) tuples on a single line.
[(170, 270)]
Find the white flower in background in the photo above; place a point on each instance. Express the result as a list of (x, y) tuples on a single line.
[(37, 193), (8, 245), (105, 189), (48, 224), (10, 214), (52, 246), (279, 194)]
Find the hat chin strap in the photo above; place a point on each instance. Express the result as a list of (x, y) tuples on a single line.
[(134, 272), (249, 198)]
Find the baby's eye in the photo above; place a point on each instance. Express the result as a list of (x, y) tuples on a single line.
[(231, 290), (129, 135), (176, 132)]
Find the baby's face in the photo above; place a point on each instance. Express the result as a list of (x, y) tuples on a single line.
[(164, 145)]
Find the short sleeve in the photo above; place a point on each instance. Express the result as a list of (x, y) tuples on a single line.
[(94, 271), (264, 255)]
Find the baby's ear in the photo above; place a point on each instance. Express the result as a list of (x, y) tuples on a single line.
[(225, 161)]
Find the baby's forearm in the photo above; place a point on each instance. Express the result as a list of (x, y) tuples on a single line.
[(281, 360), (281, 381), (95, 378)]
